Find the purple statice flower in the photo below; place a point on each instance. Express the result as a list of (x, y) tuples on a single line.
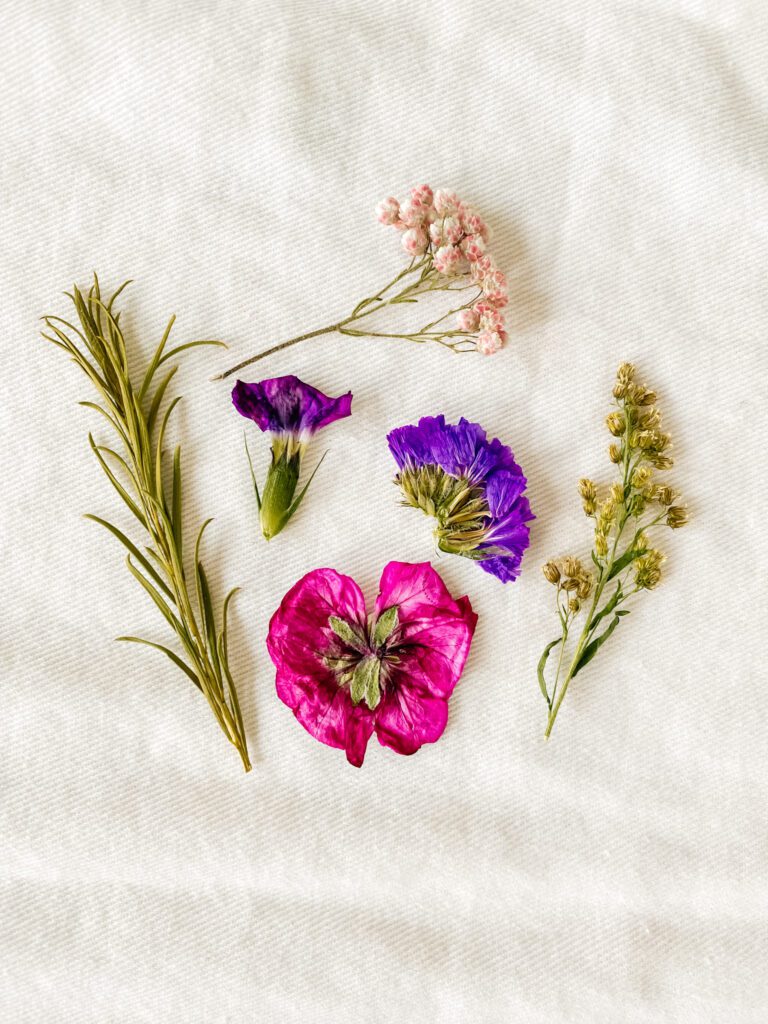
[(291, 411), (473, 488)]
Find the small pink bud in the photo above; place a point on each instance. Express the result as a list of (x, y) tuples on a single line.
[(475, 225), (414, 241), (495, 288), (448, 260), (473, 247), (468, 320), (412, 213), (452, 230), (446, 203), (489, 342), (387, 210), (480, 268), (422, 194)]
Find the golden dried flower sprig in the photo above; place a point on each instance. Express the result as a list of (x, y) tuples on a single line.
[(137, 473), (624, 561)]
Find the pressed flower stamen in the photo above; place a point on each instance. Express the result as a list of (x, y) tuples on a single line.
[(364, 654)]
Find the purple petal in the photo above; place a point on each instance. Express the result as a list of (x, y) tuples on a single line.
[(288, 405), (502, 489), (461, 449), (504, 567)]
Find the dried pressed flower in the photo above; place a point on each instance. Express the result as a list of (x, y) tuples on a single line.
[(616, 423), (624, 561), (291, 412), (473, 488), (447, 246), (346, 674), (615, 453), (551, 572), (677, 516)]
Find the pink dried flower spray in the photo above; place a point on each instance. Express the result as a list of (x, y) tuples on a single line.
[(446, 243)]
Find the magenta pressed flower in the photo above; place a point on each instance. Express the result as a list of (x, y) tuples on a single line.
[(346, 674), (292, 412), (473, 488)]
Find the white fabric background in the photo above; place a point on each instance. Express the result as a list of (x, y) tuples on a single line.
[(227, 156)]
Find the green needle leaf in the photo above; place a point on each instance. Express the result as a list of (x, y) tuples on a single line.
[(97, 347), (167, 652)]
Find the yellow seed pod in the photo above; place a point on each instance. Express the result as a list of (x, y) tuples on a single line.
[(570, 585), (572, 566), (617, 493), (677, 516), (625, 373), (641, 477), (616, 423), (614, 453), (601, 544), (587, 489), (551, 572), (574, 604)]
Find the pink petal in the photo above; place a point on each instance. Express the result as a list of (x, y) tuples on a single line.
[(299, 630), (434, 651), (326, 711), (408, 717), (299, 633), (409, 586)]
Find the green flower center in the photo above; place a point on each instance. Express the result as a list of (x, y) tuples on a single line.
[(360, 655), (456, 503)]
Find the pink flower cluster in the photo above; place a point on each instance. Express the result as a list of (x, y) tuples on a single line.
[(440, 225)]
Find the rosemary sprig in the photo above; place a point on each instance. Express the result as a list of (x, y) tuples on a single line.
[(137, 472), (624, 560)]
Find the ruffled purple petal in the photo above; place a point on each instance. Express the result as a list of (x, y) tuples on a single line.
[(286, 405), (504, 567), (502, 490), (461, 449)]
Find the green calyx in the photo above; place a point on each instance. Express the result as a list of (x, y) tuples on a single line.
[(276, 502), (362, 654), (279, 490), (458, 506)]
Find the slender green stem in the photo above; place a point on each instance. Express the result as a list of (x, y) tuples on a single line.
[(427, 281)]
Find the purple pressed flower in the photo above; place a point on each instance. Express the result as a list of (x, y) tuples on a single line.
[(473, 488), (286, 405), (291, 411)]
